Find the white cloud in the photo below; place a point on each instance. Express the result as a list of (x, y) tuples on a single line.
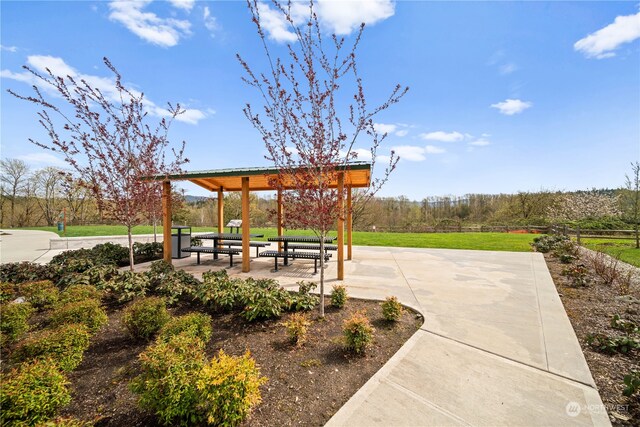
[(509, 68), (276, 27), (42, 159), (12, 49), (210, 21), (337, 16), (402, 133), (384, 128), (342, 17), (106, 85), (442, 136), (165, 32), (510, 107), (410, 153), (183, 4), (603, 42), (432, 149), (482, 142)]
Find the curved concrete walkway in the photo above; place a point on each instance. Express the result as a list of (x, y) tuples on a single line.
[(496, 347)]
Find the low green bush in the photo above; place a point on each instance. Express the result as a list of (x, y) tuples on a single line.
[(98, 276), (42, 294), (626, 326), (358, 332), (75, 293), (8, 292), (32, 394), (219, 291), (167, 383), (579, 275), (14, 322), (64, 345), (228, 388), (631, 383), (339, 296), (87, 312), (147, 250), (172, 284), (392, 309), (303, 300), (547, 243), (611, 345), (65, 422), (297, 327), (21, 272), (192, 324), (145, 316), (262, 303), (127, 285)]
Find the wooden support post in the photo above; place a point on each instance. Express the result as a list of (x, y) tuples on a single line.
[(280, 217), (245, 225), (341, 226), (220, 213), (166, 220), (349, 224)]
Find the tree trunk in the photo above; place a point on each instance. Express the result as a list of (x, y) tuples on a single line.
[(131, 262), (322, 236)]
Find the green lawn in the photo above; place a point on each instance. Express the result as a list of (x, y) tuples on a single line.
[(623, 249), (480, 241)]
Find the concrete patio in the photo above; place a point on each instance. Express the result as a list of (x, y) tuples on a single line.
[(496, 347)]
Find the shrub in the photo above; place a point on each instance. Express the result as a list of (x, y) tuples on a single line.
[(339, 296), (170, 283), (20, 272), (8, 292), (147, 250), (303, 300), (87, 312), (65, 422), (127, 285), (358, 332), (632, 383), (42, 294), (32, 394), (221, 292), (611, 345), (193, 324), (264, 303), (145, 316), (547, 243), (166, 384), (228, 388), (64, 345), (97, 276), (392, 309), (14, 321), (297, 328), (579, 275), (626, 326), (605, 267), (566, 251), (110, 253), (75, 293)]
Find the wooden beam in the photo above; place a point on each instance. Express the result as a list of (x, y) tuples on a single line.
[(166, 220), (349, 224), (280, 217), (245, 225), (340, 226), (220, 212)]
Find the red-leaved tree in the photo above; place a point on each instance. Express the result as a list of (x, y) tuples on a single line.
[(107, 140), (309, 138)]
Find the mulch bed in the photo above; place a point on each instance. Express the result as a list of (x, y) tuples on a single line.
[(590, 310), (306, 386)]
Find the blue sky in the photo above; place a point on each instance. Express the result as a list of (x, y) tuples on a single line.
[(504, 96)]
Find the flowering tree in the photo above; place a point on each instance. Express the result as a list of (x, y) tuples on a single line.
[(584, 205), (309, 139), (631, 199), (107, 140)]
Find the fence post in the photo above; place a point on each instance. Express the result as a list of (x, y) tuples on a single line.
[(578, 234)]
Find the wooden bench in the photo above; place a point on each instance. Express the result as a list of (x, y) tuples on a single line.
[(315, 256), (311, 247), (215, 251), (257, 245)]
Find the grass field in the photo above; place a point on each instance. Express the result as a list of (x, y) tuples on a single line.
[(625, 250), (478, 241)]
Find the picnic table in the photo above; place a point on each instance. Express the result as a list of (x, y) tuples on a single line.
[(219, 237), (297, 239)]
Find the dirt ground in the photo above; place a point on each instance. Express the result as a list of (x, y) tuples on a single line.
[(306, 386), (590, 310)]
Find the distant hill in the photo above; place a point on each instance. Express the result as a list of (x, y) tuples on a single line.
[(195, 199)]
